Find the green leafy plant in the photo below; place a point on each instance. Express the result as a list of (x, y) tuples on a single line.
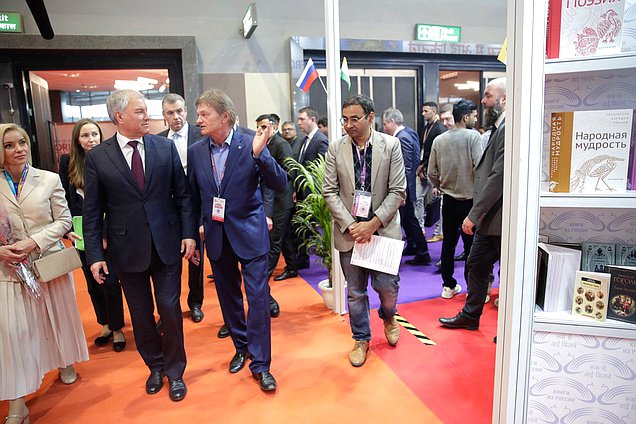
[(312, 218)]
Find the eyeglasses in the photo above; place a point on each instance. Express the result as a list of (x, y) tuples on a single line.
[(289, 129), (354, 120)]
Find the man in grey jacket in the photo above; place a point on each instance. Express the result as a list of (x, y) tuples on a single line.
[(485, 215)]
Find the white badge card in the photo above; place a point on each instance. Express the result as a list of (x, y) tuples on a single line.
[(218, 209), (361, 204)]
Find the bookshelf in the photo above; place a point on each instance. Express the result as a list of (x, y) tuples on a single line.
[(573, 200)]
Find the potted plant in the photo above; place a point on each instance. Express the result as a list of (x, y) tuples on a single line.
[(312, 217)]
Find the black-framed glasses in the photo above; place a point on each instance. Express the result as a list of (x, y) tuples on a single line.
[(344, 120)]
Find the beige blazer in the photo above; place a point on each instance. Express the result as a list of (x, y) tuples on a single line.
[(41, 213), (388, 186)]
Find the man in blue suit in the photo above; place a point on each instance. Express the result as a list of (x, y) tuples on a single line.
[(137, 181), (225, 170)]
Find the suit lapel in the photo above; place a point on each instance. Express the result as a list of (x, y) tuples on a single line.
[(236, 148), (150, 153), (31, 181), (206, 157), (377, 156), (5, 190), (347, 152), (111, 147)]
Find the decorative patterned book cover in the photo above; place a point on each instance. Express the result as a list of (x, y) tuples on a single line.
[(626, 254), (579, 28), (590, 151), (596, 256), (590, 295), (622, 294)]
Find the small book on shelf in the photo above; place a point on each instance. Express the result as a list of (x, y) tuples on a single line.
[(581, 28), (626, 254), (590, 151), (590, 295), (557, 266), (622, 293), (596, 256)]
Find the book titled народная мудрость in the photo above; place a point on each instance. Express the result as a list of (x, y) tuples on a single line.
[(591, 151)]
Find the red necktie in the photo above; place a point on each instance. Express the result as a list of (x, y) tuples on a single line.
[(136, 166)]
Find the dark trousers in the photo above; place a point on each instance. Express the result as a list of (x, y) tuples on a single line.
[(414, 237), (281, 221), (254, 334), (195, 281), (106, 298), (454, 212), (165, 353), (485, 252)]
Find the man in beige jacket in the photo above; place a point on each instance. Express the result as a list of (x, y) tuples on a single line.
[(364, 186)]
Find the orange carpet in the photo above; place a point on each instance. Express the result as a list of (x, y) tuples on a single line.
[(310, 347)]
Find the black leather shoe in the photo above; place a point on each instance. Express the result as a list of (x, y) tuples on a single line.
[(459, 321), (419, 260), (196, 314), (238, 362), (461, 257), (223, 332), (286, 274), (154, 382), (178, 389), (494, 340), (119, 346), (103, 340), (274, 309), (266, 380), (438, 263)]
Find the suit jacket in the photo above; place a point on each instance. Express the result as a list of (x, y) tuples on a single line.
[(163, 214), (410, 143), (488, 189), (317, 146), (388, 185), (245, 225), (273, 200), (41, 213), (74, 200), (194, 134), (427, 144)]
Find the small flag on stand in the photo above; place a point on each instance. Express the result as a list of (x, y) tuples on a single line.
[(344, 73), (308, 76)]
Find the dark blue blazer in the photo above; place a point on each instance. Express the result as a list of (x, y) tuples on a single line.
[(163, 213), (245, 224), (410, 144)]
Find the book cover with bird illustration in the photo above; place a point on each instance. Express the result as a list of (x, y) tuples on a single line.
[(580, 28), (590, 151)]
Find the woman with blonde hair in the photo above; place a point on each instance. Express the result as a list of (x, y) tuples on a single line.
[(107, 297), (36, 335)]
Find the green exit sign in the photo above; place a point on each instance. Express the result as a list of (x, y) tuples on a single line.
[(438, 33), (11, 22)]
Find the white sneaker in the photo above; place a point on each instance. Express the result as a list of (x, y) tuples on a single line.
[(448, 293), (491, 279)]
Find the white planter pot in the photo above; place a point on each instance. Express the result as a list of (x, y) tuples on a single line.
[(327, 293)]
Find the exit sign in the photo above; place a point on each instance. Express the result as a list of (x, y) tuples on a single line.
[(11, 22), (438, 33)]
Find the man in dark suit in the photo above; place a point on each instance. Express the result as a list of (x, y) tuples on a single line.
[(137, 181), (184, 135), (279, 208), (225, 170), (485, 214), (288, 130), (393, 123)]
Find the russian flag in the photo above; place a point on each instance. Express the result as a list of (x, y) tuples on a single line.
[(308, 76)]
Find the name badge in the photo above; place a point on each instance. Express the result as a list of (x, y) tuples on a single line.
[(218, 209), (361, 204)]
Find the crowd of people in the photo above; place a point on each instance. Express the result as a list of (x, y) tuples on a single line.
[(141, 203)]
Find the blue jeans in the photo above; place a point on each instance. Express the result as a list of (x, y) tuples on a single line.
[(386, 285)]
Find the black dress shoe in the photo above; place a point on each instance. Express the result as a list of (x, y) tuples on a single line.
[(178, 389), (461, 257), (494, 340), (438, 263), (196, 314), (266, 380), (119, 346), (103, 340), (223, 332), (419, 260), (154, 382), (459, 321), (274, 309), (238, 362), (286, 274)]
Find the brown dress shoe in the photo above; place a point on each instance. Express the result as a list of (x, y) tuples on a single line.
[(358, 355), (392, 331)]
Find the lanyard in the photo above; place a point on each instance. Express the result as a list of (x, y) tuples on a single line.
[(16, 189), (363, 173), (218, 179), (428, 129)]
